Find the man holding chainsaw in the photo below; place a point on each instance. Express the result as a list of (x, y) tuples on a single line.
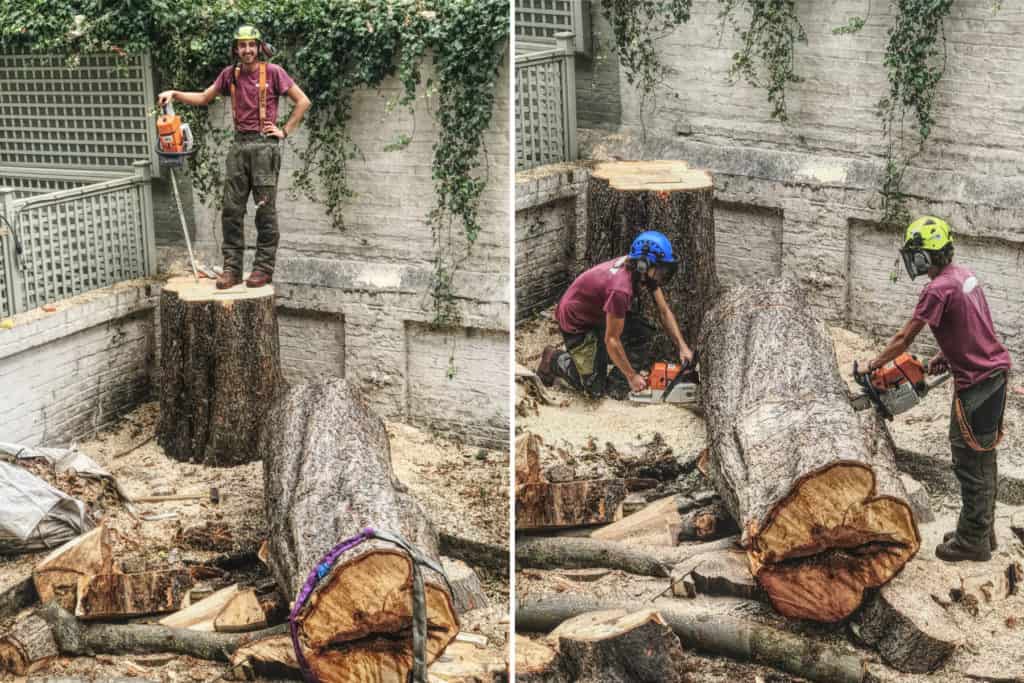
[(254, 159), (953, 305), (596, 318)]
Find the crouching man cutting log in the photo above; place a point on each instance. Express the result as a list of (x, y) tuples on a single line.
[(254, 160), (597, 318), (953, 305)]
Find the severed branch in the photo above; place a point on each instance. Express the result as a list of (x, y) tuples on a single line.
[(718, 634), (80, 639), (581, 553)]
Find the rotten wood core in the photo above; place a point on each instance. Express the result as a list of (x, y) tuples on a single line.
[(322, 444), (627, 197), (812, 485), (220, 369)]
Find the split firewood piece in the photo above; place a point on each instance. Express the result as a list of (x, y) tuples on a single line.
[(721, 573), (577, 503), (105, 596), (328, 476), (28, 646), (909, 628), (627, 197), (709, 632), (242, 613), (653, 518), (528, 459), (220, 367), (199, 616), (56, 576), (986, 583), (537, 662), (821, 506), (708, 523), (272, 657), (616, 645), (467, 593), (468, 663)]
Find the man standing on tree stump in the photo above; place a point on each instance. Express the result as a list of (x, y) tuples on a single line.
[(254, 160), (953, 305), (597, 318)]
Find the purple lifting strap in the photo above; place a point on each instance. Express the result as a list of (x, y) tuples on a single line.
[(318, 572)]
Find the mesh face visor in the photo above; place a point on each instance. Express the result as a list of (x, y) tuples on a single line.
[(916, 261)]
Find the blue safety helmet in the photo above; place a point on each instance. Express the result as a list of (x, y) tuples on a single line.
[(652, 248)]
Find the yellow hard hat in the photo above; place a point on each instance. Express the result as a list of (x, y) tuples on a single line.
[(928, 232), (247, 32)]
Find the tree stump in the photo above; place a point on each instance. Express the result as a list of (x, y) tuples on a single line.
[(812, 485), (220, 369), (328, 475), (627, 197)]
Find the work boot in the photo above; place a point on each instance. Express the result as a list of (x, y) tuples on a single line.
[(258, 278), (992, 544), (228, 279), (546, 370), (955, 551)]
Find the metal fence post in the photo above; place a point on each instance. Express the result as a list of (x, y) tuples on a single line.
[(144, 173), (12, 276), (566, 43)]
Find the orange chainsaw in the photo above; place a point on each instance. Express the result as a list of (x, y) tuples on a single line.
[(894, 388), (671, 383), (173, 146)]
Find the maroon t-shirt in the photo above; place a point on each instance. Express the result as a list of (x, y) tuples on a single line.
[(955, 308), (605, 288), (247, 92)]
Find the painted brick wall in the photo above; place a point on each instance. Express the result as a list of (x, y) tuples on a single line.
[(375, 273), (820, 172), (69, 373)]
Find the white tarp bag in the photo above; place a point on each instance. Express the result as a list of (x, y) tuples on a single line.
[(34, 515)]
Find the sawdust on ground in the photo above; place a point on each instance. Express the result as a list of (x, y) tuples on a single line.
[(463, 489)]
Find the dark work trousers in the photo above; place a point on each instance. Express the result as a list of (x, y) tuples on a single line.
[(977, 472), (585, 365), (253, 164)]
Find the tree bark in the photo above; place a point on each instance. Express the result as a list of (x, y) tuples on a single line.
[(220, 369), (812, 485), (28, 646), (467, 592), (580, 553), (115, 596), (628, 197), (328, 476), (713, 633)]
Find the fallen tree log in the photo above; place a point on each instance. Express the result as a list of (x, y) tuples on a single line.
[(220, 368), (545, 505), (628, 197), (812, 485), (718, 634), (328, 476), (76, 638), (27, 646), (476, 553), (581, 553)]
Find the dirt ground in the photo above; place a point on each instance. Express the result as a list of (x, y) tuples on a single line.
[(464, 490), (583, 434)]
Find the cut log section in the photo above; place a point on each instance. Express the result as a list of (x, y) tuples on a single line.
[(576, 503), (628, 197), (536, 662), (219, 370), (199, 616), (653, 518), (912, 631), (242, 613), (272, 658), (56, 577), (328, 476), (816, 494), (528, 459), (616, 645), (467, 593), (28, 646), (708, 523), (468, 663), (720, 572), (106, 596)]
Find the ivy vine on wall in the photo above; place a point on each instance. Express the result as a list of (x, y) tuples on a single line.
[(332, 48)]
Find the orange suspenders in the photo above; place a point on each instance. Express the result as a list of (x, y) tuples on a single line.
[(262, 95)]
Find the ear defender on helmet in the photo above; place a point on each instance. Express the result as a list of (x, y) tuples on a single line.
[(652, 248)]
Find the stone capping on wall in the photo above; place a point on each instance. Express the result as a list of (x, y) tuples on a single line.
[(38, 327)]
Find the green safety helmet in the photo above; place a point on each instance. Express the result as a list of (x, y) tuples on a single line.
[(248, 32), (928, 242)]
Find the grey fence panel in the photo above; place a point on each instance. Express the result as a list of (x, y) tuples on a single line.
[(86, 116), (539, 21), (546, 106)]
